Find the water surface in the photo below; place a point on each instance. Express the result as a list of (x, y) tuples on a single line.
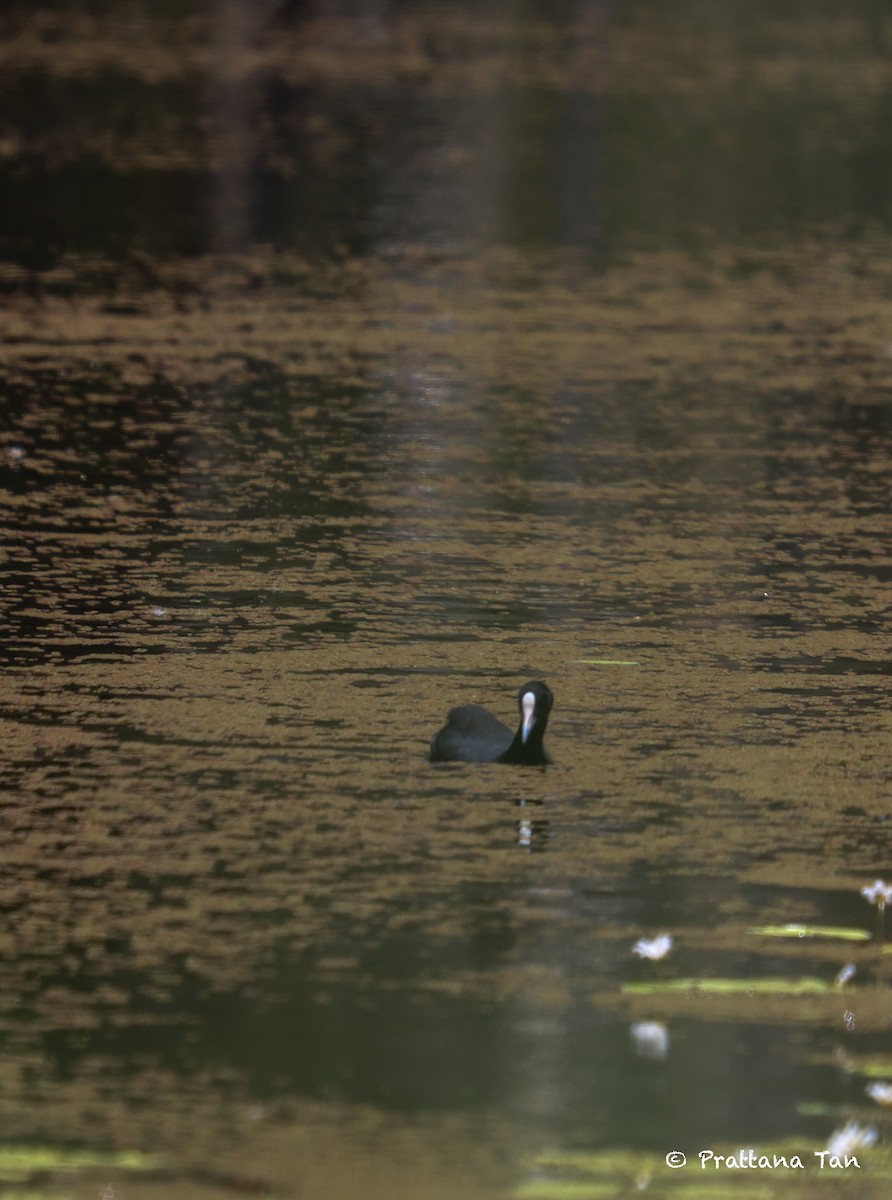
[(458, 371)]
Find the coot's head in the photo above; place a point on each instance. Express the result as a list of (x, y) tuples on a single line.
[(535, 700)]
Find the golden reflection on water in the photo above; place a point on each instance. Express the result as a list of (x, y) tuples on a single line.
[(813, 317), (216, 715)]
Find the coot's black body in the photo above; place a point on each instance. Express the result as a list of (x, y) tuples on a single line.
[(473, 734)]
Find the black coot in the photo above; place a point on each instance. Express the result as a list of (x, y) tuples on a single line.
[(473, 734)]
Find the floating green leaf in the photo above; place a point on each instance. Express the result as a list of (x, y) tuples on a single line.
[(803, 986), (843, 933), (814, 1109), (21, 1162), (881, 1068), (609, 1161), (607, 662), (565, 1189)]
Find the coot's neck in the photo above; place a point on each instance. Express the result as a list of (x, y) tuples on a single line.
[(530, 751)]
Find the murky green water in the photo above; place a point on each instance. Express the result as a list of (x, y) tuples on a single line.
[(356, 366)]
